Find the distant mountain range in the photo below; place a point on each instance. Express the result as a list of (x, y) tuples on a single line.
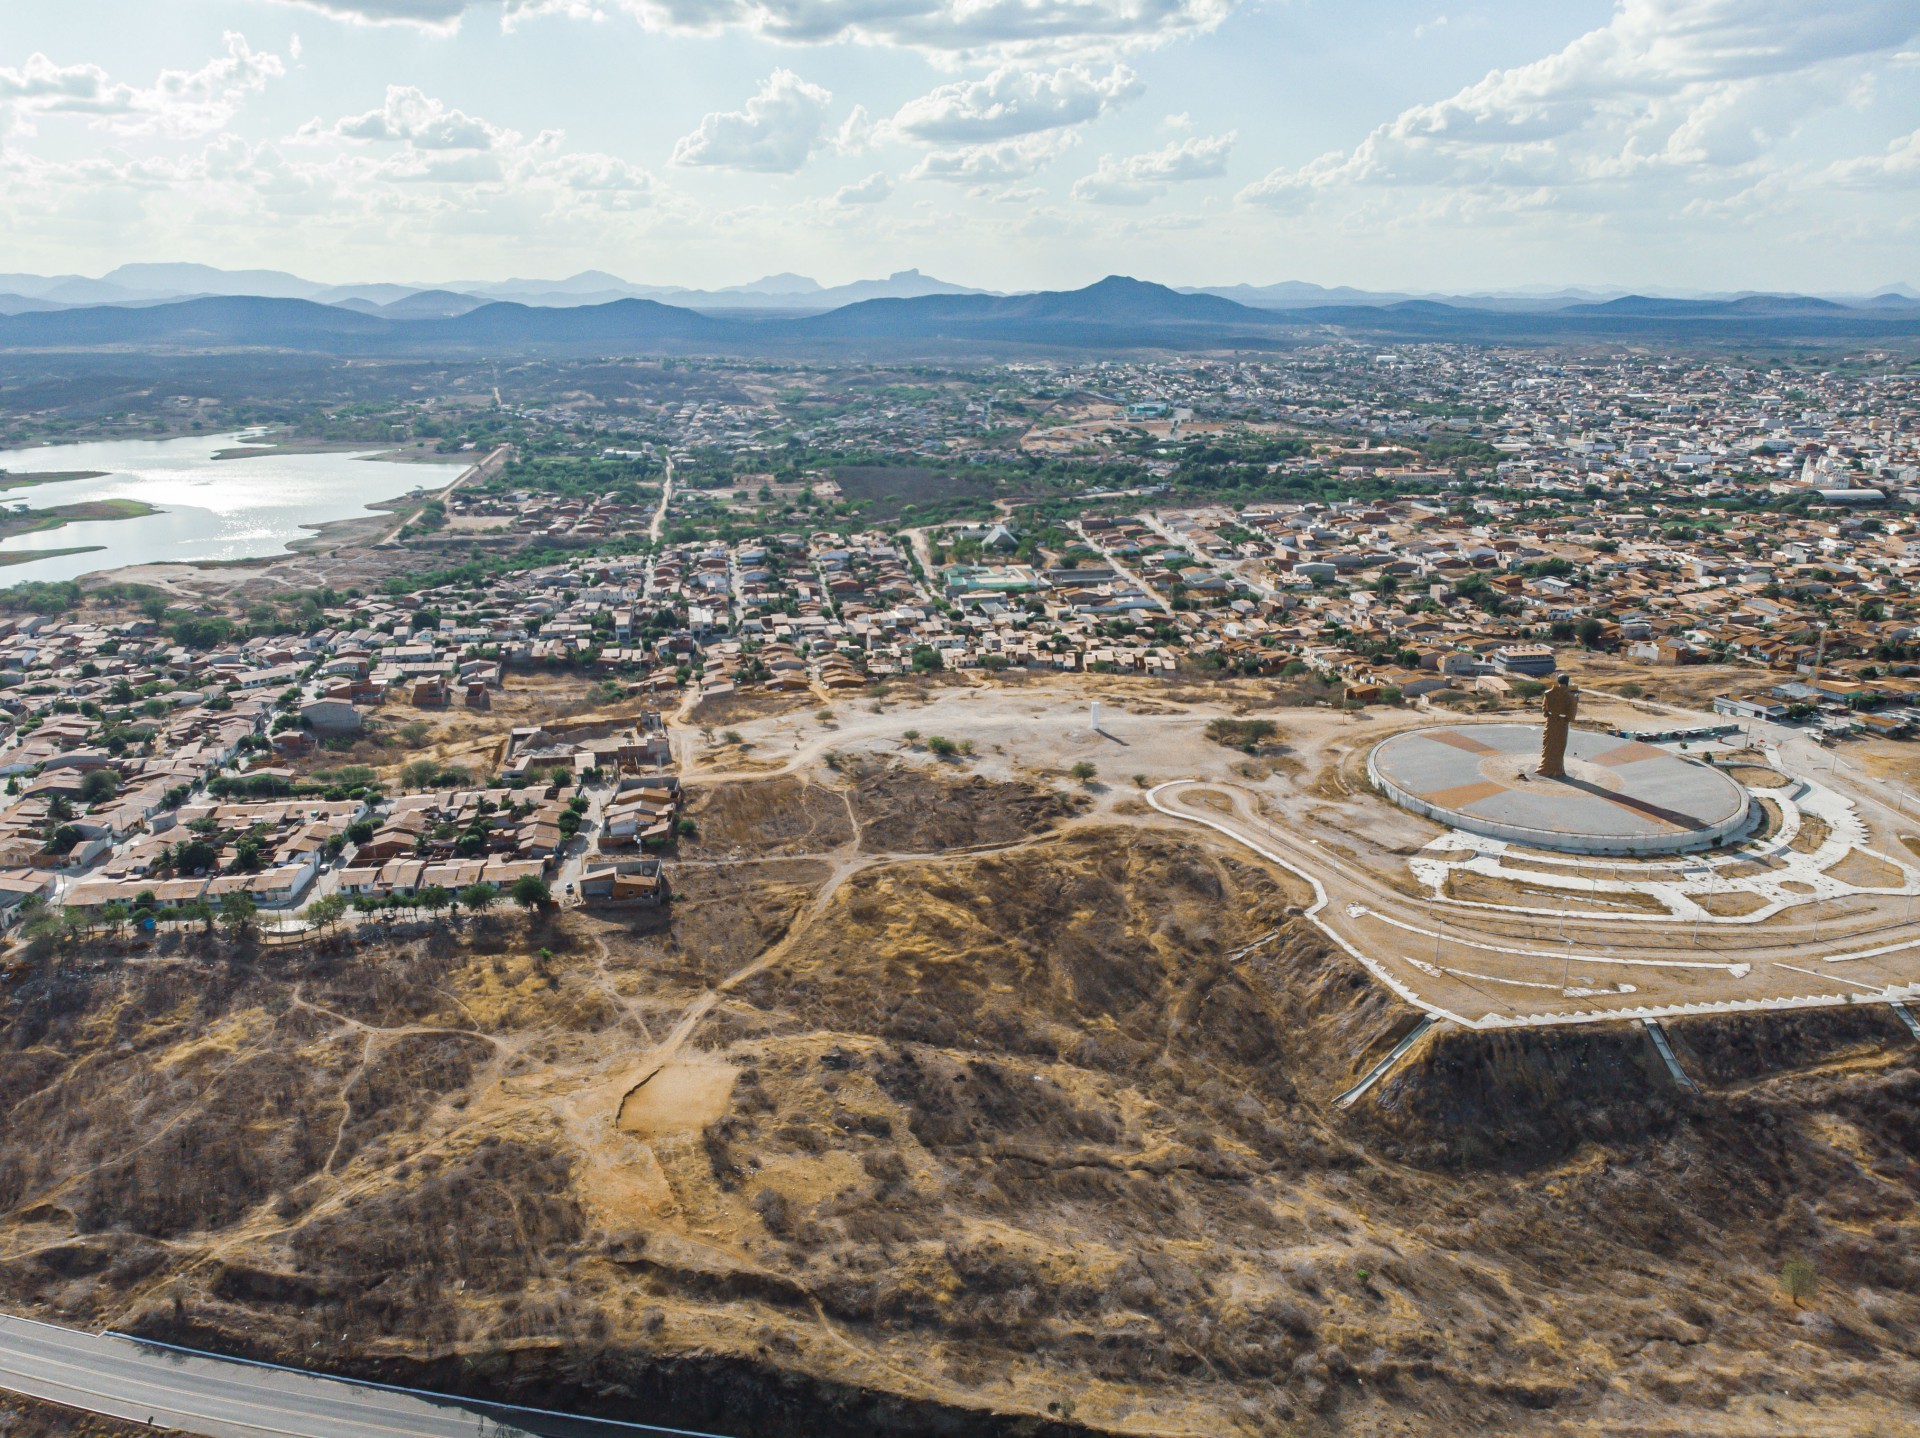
[(147, 284), (1114, 315)]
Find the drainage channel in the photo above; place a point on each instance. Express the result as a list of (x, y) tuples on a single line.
[(1385, 1066), (1665, 1049), (1907, 1018)]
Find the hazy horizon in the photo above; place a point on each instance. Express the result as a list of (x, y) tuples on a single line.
[(1028, 144), (780, 284)]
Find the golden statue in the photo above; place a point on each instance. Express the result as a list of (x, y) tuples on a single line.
[(1560, 706)]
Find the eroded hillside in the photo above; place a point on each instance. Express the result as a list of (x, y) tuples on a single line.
[(861, 1136)]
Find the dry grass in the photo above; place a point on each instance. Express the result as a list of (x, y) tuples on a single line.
[(990, 1131), (1867, 871), (1730, 906), (1496, 889), (1756, 776), (1813, 832)]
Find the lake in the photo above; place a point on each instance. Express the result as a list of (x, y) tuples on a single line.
[(209, 508)]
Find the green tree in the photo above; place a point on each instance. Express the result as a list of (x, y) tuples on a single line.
[(239, 916), (76, 926), (478, 898), (327, 910), (531, 892), (1084, 771), (42, 927), (1799, 1280)]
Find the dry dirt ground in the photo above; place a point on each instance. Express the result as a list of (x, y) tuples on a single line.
[(27, 1418), (1032, 1138), (959, 1096)]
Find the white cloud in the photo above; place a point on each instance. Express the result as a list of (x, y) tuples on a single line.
[(42, 87), (1665, 86), (442, 15), (856, 132), (384, 200), (1899, 166), (415, 139), (995, 164), (178, 103), (415, 118), (1012, 102), (870, 191), (957, 27), (779, 128), (1138, 178)]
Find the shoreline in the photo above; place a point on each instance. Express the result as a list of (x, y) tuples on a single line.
[(388, 453), (11, 480), (366, 529), (11, 557), (87, 511)]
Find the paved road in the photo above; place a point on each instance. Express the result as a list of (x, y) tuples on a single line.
[(485, 467), (1123, 571), (223, 1398)]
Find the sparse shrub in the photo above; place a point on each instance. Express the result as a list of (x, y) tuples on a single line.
[(776, 1212), (1799, 1280), (1247, 734), (886, 1168)]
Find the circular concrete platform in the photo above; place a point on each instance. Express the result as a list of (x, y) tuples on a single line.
[(1619, 796)]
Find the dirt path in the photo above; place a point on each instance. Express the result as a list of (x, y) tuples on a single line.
[(666, 497)]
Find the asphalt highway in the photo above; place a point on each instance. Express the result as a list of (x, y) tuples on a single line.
[(145, 1383)]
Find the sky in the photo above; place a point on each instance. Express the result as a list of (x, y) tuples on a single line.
[(1424, 145)]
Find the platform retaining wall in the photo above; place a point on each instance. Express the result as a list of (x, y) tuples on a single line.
[(1736, 825)]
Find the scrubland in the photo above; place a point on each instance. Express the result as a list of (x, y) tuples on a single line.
[(937, 1107)]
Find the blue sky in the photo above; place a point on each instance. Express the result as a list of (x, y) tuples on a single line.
[(1002, 143)]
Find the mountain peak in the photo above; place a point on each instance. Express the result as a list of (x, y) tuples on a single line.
[(785, 283)]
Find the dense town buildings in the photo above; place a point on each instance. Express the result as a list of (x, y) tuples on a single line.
[(1441, 526)]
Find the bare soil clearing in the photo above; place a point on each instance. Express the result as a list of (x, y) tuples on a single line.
[(945, 1092)]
